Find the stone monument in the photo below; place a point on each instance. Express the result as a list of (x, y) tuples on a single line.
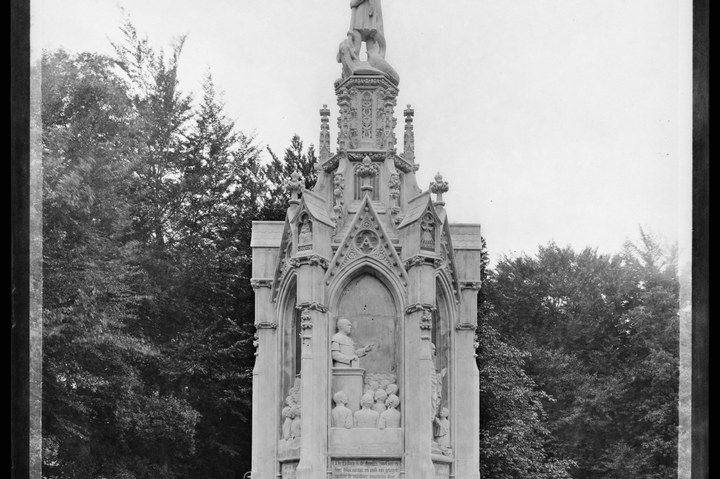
[(365, 301)]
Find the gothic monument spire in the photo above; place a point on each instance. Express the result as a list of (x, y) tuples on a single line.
[(365, 320)]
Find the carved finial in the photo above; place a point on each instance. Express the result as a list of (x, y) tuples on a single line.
[(294, 186), (324, 148), (409, 153), (439, 187)]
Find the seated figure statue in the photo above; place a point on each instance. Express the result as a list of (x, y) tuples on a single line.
[(366, 417), (390, 417), (380, 397), (341, 415), (342, 347)]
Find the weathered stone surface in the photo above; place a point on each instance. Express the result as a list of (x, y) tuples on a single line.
[(366, 442), (366, 302)]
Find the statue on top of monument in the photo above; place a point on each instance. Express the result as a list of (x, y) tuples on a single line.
[(366, 25), (342, 347)]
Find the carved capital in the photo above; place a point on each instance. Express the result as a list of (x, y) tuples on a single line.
[(266, 325), (258, 283), (474, 285), (311, 306), (466, 327), (414, 308), (419, 260), (312, 260)]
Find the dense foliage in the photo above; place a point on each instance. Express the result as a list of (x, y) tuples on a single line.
[(600, 336), (148, 309), (148, 201)]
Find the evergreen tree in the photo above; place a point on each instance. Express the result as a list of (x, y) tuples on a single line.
[(93, 393), (278, 172)]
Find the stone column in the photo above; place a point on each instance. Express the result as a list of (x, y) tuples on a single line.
[(466, 414), (314, 370), (265, 417), (418, 366)]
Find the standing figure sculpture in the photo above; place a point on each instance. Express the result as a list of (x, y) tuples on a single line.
[(441, 431), (366, 25), (436, 385), (342, 347)]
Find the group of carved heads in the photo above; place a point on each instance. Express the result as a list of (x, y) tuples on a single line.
[(378, 409)]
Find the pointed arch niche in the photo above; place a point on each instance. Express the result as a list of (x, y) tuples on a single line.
[(288, 321), (373, 304), (443, 325)]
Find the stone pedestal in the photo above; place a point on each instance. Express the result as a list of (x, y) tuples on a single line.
[(349, 380)]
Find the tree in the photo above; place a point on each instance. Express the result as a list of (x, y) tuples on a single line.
[(163, 112), (602, 334), (92, 361), (278, 172)]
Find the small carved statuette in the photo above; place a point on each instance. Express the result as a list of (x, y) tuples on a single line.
[(427, 235), (288, 412), (342, 416), (305, 236), (436, 385), (366, 417), (390, 417), (441, 431), (287, 423), (295, 426)]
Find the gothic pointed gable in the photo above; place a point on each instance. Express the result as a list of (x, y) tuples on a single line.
[(447, 263), (366, 238), (316, 206), (283, 260), (417, 208)]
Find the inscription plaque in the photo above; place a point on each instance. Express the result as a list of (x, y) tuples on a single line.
[(287, 470), (365, 469)]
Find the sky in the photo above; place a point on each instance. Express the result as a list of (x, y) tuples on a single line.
[(564, 120)]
